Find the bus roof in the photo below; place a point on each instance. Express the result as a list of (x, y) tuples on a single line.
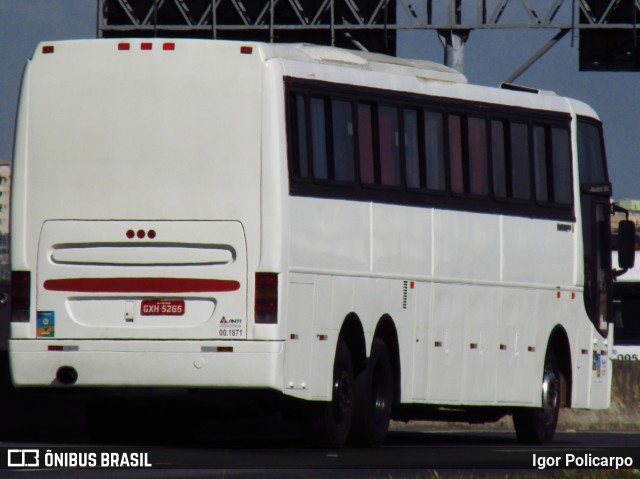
[(423, 71), (363, 60)]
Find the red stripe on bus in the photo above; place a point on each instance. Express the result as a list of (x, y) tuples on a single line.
[(141, 285)]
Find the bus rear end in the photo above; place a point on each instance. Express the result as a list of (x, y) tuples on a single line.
[(136, 217)]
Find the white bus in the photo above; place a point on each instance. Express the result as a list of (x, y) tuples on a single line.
[(362, 236)]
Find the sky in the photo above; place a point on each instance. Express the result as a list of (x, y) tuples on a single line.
[(490, 56)]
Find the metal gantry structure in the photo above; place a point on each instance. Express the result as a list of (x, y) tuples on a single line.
[(604, 27)]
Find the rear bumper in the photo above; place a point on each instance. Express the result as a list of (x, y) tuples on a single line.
[(111, 363)]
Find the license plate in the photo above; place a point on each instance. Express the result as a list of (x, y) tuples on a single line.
[(162, 307)]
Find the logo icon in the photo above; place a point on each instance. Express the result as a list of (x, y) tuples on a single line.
[(23, 458)]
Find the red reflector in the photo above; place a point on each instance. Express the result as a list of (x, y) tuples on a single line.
[(169, 46), (141, 285), (130, 234), (146, 46), (56, 348), (48, 49), (123, 46), (246, 50), (141, 234), (224, 349), (151, 234)]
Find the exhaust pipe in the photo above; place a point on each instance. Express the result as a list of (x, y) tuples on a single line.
[(67, 375)]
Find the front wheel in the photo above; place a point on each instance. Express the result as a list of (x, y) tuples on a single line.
[(538, 425)]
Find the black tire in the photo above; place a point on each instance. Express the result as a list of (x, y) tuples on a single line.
[(333, 424), (374, 398), (538, 425)]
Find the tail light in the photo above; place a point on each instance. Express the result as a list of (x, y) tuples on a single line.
[(20, 296), (266, 303)]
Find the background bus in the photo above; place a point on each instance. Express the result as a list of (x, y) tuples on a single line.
[(354, 236), (626, 300), (626, 291)]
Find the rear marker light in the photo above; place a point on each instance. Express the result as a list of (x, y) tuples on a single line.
[(168, 46), (20, 296), (146, 46), (151, 234), (48, 49), (246, 50), (216, 349), (63, 348), (123, 46), (266, 298)]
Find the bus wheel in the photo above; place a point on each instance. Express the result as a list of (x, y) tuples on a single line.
[(334, 422), (374, 398), (538, 425)]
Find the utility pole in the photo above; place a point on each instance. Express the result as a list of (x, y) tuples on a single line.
[(454, 38)]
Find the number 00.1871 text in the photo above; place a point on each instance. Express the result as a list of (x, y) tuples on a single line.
[(230, 333)]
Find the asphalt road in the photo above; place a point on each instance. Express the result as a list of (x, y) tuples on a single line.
[(271, 449)]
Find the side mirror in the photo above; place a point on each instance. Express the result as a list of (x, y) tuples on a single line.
[(626, 244)]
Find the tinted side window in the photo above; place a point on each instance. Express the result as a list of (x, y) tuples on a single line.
[(434, 150), (478, 156), (562, 184), (411, 149), (300, 136), (389, 135), (456, 167), (520, 163), (366, 143), (590, 154), (499, 158), (540, 163), (319, 138), (343, 148)]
